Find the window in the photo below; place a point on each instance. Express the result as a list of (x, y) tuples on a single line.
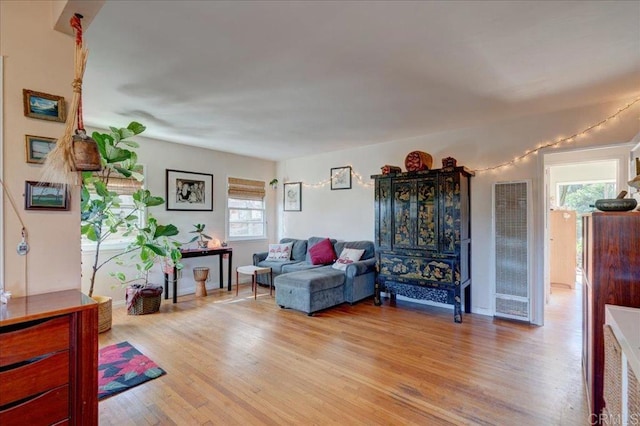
[(246, 215), (580, 196), (124, 187)]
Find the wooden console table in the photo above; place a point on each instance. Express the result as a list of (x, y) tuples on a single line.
[(49, 360), (198, 253)]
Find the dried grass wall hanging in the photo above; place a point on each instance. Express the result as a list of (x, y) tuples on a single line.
[(73, 152)]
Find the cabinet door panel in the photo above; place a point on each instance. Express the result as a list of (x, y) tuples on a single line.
[(404, 207), (383, 213), (450, 217), (427, 226)]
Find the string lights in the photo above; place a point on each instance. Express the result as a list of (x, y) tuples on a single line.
[(568, 139), (358, 177), (522, 157)]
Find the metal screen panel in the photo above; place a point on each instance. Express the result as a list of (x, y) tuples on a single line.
[(512, 231)]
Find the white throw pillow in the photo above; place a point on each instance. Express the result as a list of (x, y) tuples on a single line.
[(348, 256), (279, 252)]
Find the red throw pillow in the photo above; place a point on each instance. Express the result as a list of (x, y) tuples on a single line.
[(322, 253)]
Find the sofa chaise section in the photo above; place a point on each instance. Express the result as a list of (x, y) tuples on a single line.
[(310, 290)]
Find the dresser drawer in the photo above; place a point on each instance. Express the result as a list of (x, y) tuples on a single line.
[(34, 378), (49, 408), (35, 338), (419, 269)]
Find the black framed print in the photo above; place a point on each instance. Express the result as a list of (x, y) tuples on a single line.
[(293, 197), (189, 191), (341, 177)]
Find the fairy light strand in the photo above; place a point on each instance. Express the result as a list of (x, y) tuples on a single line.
[(566, 139), (522, 157), (358, 177)]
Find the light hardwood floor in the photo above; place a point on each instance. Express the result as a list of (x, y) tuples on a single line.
[(235, 360)]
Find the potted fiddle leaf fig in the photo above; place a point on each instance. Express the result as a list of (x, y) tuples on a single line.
[(101, 211), (153, 244)]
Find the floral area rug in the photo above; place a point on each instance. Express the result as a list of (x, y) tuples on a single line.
[(121, 367)]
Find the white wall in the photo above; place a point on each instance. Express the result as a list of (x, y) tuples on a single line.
[(348, 214), (36, 58), (158, 156)]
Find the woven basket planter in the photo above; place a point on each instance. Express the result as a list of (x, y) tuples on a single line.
[(104, 313), (142, 300)]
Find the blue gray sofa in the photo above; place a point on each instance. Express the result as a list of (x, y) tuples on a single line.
[(310, 288)]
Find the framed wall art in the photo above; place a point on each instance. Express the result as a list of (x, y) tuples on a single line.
[(189, 191), (43, 106), (37, 148), (341, 177), (293, 197), (45, 196)]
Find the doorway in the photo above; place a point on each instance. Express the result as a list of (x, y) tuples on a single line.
[(573, 190), (574, 180)]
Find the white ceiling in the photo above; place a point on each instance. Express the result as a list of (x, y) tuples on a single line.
[(279, 80)]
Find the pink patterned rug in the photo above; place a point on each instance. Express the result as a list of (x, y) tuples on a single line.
[(121, 367)]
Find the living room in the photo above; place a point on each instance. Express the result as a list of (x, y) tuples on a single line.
[(42, 59)]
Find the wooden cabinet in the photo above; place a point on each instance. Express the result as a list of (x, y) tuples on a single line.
[(423, 236), (562, 245), (611, 275), (49, 360)]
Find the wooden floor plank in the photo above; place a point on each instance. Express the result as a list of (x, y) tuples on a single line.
[(235, 360)]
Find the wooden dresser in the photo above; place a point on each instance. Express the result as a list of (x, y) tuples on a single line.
[(423, 236), (49, 360), (611, 275)]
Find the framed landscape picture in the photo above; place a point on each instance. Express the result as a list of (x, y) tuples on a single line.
[(37, 148), (341, 177), (45, 196), (293, 197), (189, 190), (43, 106)]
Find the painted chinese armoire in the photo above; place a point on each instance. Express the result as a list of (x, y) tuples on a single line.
[(423, 236)]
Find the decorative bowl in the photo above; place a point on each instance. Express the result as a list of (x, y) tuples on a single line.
[(616, 204)]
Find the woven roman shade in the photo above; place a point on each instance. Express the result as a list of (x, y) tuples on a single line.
[(246, 189), (120, 184), (123, 185)]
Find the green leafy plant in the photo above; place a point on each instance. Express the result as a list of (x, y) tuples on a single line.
[(202, 238), (100, 211), (153, 244)]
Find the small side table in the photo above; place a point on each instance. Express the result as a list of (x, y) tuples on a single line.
[(254, 271)]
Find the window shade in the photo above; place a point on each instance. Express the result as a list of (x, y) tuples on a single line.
[(123, 185), (120, 184), (246, 189)]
